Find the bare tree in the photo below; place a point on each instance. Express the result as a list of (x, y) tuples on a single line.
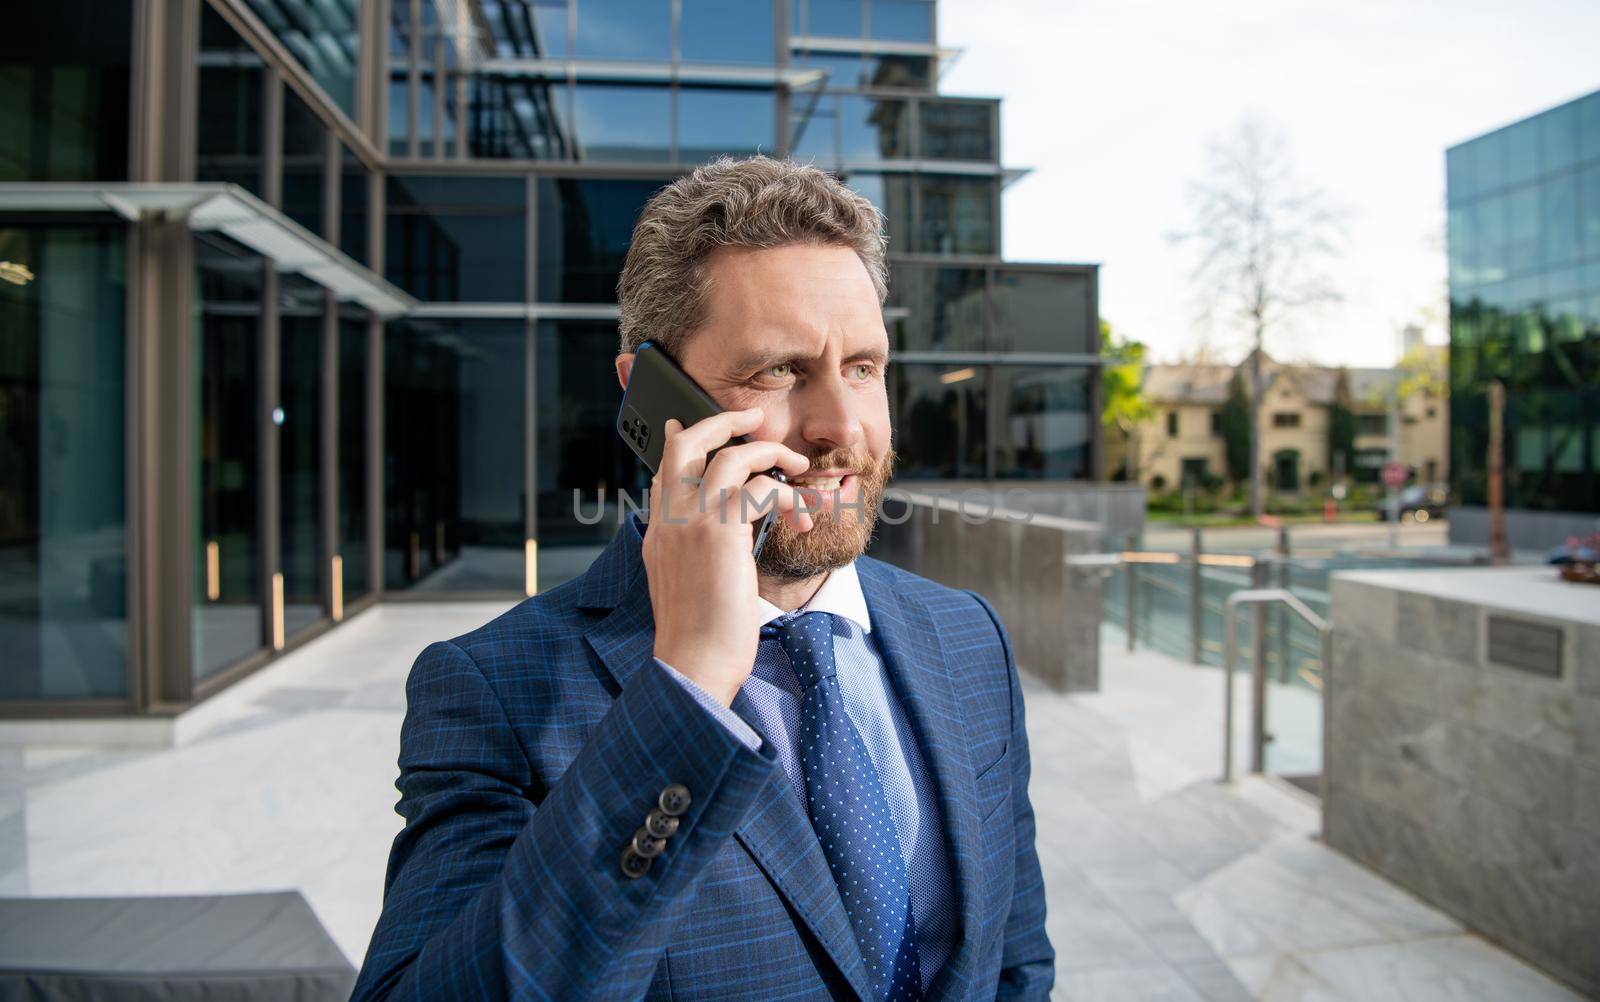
[(1261, 240)]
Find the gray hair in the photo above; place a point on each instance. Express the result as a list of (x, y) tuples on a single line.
[(759, 202)]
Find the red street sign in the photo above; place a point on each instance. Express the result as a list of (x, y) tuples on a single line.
[(1394, 474)]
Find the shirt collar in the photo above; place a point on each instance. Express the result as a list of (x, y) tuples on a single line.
[(840, 594)]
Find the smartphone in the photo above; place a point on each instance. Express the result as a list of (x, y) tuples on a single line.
[(659, 389)]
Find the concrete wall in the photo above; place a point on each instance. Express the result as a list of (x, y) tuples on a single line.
[(1474, 784), (1118, 507), (1537, 531), (1050, 609)]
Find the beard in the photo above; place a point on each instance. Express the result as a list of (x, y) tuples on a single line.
[(838, 534)]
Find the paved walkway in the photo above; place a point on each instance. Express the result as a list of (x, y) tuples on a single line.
[(1162, 884)]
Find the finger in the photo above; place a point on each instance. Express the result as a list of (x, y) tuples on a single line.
[(764, 493), (683, 452), (734, 465)]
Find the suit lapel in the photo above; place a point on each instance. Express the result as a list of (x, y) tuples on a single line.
[(913, 654), (776, 833)]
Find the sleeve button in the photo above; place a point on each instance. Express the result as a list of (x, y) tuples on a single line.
[(674, 799), (646, 844), (660, 823), (633, 864)]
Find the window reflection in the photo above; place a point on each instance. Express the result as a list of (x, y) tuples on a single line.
[(845, 70), (70, 57), (901, 20), (891, 193), (305, 163), (957, 215), (873, 129), (1042, 311), (940, 413), (520, 116), (454, 455), (228, 133), (957, 130), (622, 122), (354, 198), (300, 488), (624, 29), (946, 308), (725, 31), (227, 620), (457, 239), (584, 228), (1042, 419), (323, 37), (833, 18), (715, 121), (913, 72), (353, 542), (63, 531), (579, 448)]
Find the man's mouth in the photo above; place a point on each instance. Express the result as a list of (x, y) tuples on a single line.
[(821, 483)]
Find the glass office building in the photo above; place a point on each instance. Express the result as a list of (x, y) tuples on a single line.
[(1524, 245), (307, 306)]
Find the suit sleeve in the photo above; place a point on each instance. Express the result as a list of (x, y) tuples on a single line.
[(1027, 961), (499, 886)]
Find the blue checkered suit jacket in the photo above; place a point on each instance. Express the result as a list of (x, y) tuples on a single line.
[(534, 746)]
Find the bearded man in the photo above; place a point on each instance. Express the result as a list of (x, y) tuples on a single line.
[(690, 773)]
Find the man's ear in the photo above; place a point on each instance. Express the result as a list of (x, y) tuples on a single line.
[(624, 368)]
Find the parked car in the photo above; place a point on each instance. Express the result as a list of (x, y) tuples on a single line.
[(1418, 503)]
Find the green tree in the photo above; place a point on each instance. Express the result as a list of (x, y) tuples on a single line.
[(1235, 422), (1124, 407)]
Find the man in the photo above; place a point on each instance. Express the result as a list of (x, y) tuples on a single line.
[(687, 774)]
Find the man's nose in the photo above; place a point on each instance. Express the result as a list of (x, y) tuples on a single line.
[(828, 413)]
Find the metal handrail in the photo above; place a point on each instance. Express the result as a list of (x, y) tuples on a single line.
[(1258, 678)]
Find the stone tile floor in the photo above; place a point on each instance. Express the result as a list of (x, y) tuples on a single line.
[(1162, 883)]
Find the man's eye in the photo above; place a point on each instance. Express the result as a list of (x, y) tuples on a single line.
[(780, 370), (865, 369)]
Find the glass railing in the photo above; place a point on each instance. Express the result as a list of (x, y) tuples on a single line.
[(1167, 601)]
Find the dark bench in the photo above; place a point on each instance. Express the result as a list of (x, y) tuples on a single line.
[(228, 948)]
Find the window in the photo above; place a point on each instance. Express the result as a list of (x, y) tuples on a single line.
[(940, 416), (228, 616), (957, 215), (64, 96), (305, 163), (323, 37), (713, 121), (455, 239), (1372, 424), (585, 225), (901, 20), (622, 122), (1193, 471), (228, 130), (957, 130), (1042, 310), (945, 305), (1172, 424), (624, 29), (873, 129), (353, 542), (1286, 419), (1042, 427), (64, 628), (454, 489), (1216, 424), (725, 31), (300, 486)]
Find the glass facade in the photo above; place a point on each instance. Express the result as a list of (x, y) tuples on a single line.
[(454, 478), (64, 91), (229, 600), (485, 173), (63, 515), (1524, 246)]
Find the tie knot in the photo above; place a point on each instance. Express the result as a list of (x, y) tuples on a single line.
[(808, 640)]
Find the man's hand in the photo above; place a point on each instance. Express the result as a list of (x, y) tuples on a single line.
[(697, 550)]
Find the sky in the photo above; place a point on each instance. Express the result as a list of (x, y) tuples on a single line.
[(1112, 104)]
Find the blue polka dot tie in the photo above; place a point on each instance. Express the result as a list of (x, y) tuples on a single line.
[(850, 812)]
